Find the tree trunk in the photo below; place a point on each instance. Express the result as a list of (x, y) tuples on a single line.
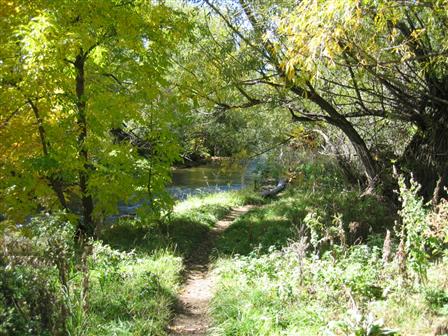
[(359, 145), (426, 157), (86, 227), (281, 185), (53, 181)]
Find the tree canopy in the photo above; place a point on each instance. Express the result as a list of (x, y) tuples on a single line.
[(374, 70), (72, 73), (101, 97)]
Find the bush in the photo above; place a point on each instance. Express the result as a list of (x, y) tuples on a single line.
[(36, 289), (49, 286), (423, 233)]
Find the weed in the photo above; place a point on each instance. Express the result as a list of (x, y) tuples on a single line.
[(327, 269)]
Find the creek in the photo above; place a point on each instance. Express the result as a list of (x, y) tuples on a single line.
[(199, 180), (208, 179)]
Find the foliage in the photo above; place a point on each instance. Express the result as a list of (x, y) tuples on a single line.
[(377, 58), (422, 231), (279, 293), (224, 120), (313, 202), (40, 287), (88, 116), (282, 287), (44, 289), (415, 227), (437, 299), (367, 77), (101, 97), (438, 221)]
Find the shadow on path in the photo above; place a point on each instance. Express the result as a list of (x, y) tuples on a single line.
[(192, 308)]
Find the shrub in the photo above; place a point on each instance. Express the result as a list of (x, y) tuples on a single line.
[(37, 291), (423, 233)]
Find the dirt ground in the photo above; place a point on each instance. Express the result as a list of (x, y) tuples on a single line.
[(193, 301)]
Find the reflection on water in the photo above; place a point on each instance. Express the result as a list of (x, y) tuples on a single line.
[(198, 180), (206, 179)]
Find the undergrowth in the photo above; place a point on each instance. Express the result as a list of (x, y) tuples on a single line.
[(317, 202), (124, 283), (48, 289), (319, 261)]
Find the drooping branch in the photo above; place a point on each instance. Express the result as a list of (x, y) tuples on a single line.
[(307, 117), (144, 147), (306, 91)]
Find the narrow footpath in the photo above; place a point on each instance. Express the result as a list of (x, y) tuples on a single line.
[(192, 309)]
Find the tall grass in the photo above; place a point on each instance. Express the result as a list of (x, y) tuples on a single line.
[(127, 287), (297, 266)]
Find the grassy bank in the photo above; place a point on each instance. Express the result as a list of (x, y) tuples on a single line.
[(126, 286), (286, 293), (315, 262), (135, 295), (180, 230), (131, 293)]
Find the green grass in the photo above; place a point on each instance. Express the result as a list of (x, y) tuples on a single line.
[(182, 229), (135, 278), (280, 293), (272, 281), (280, 220), (132, 294)]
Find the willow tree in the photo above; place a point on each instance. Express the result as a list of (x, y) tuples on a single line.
[(245, 61), (394, 57), (229, 114), (374, 70), (74, 76)]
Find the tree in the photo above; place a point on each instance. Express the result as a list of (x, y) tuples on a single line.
[(73, 72), (252, 72), (354, 65), (393, 56), (223, 119)]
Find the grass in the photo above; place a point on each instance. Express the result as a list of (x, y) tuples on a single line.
[(136, 276), (134, 272), (280, 220), (133, 294), (271, 280), (306, 263), (183, 228), (280, 294)]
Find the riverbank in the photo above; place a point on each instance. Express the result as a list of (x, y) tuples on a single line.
[(319, 261), (181, 235), (191, 162), (128, 283), (316, 260)]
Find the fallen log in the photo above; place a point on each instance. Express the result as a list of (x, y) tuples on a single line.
[(281, 185)]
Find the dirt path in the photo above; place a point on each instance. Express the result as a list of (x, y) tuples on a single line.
[(192, 310)]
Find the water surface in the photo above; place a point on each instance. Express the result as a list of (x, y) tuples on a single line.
[(206, 179)]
